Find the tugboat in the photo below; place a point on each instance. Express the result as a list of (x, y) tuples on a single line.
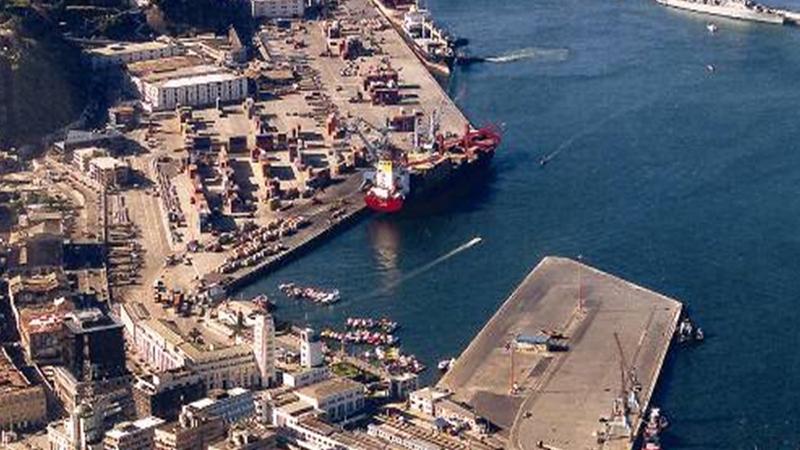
[(445, 364), (688, 332), (656, 423)]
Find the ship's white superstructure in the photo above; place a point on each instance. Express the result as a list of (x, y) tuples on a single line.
[(734, 9)]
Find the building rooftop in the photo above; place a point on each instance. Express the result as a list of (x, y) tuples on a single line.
[(203, 403), (190, 80), (43, 320), (143, 69), (11, 379), (174, 70), (120, 48), (89, 152), (83, 137), (107, 163), (537, 339), (329, 387), (194, 352), (295, 407), (126, 428), (246, 435), (91, 319), (36, 284), (50, 227), (430, 393)]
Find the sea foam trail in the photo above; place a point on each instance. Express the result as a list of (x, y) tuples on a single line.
[(591, 129), (426, 267), (548, 54)]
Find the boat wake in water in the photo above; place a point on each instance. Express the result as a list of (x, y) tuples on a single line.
[(426, 267), (538, 53), (589, 130)]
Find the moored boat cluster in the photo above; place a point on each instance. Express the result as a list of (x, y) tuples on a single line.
[(394, 361), (316, 295), (368, 323), (360, 336)]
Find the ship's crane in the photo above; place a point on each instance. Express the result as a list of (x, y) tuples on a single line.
[(376, 151)]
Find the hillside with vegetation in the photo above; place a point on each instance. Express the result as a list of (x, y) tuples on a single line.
[(43, 85), (41, 82), (178, 17)]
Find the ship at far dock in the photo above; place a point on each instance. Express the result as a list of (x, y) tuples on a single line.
[(733, 9), (433, 45)]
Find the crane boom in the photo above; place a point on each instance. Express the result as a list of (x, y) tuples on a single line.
[(376, 152), (622, 363)]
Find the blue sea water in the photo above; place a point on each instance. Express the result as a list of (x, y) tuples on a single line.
[(677, 178)]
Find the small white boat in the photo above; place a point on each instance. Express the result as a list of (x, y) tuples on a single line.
[(330, 297), (710, 68), (712, 27), (445, 364)]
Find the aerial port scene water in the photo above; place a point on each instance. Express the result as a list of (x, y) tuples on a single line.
[(399, 224)]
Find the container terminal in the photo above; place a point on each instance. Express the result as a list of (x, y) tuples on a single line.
[(569, 361), (334, 117)]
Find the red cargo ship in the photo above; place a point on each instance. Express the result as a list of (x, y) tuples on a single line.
[(396, 181)]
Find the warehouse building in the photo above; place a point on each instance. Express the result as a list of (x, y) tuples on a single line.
[(165, 83)]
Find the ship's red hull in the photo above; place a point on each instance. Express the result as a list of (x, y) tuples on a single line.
[(384, 205), (478, 145)]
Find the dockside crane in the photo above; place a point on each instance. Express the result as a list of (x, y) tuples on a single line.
[(376, 150), (619, 412)]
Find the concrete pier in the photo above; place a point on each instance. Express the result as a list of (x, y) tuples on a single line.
[(558, 396)]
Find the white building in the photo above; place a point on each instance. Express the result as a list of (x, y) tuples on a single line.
[(194, 90), (138, 435), (163, 348), (277, 9), (118, 54), (425, 400), (304, 377), (81, 157), (264, 347), (109, 171), (185, 80), (232, 406), (158, 345), (437, 403), (338, 398), (311, 354)]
